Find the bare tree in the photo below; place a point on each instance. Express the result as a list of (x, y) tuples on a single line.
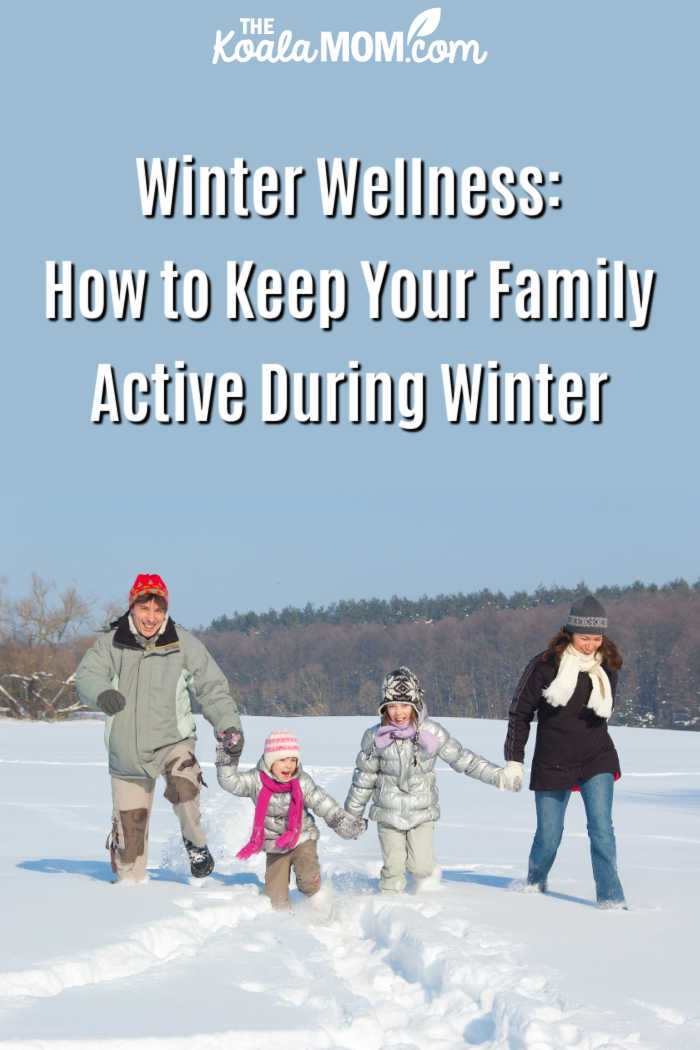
[(39, 650), (45, 617)]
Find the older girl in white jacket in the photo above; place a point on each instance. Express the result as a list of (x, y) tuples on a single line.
[(395, 768)]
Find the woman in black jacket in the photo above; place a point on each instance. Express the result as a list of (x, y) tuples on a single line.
[(571, 688)]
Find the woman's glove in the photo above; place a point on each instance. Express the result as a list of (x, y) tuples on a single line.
[(510, 777), (111, 701)]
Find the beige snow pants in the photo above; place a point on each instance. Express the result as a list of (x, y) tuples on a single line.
[(307, 871), (404, 851), (132, 801)]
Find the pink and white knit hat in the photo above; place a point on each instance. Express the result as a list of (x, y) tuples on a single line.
[(280, 744)]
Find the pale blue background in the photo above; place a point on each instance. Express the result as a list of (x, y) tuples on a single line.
[(257, 516)]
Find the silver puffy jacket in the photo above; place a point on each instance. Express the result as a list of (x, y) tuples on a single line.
[(249, 784), (400, 779)]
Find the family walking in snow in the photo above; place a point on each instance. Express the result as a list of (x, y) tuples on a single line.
[(145, 671)]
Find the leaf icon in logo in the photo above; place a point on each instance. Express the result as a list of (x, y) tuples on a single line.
[(424, 24)]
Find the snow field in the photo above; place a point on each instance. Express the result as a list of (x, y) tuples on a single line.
[(469, 964), (369, 973)]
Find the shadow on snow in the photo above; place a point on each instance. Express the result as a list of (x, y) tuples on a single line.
[(101, 871), (502, 882)]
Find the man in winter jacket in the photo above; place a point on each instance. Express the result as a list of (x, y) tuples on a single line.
[(142, 674)]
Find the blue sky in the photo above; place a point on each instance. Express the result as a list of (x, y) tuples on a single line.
[(257, 515)]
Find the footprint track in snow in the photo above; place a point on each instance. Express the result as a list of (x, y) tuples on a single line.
[(421, 983), (146, 947), (367, 973)]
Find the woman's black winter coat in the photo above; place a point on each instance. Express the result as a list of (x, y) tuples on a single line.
[(572, 744)]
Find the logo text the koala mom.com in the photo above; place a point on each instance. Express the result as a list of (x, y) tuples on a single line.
[(260, 41)]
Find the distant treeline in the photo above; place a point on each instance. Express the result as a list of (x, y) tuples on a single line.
[(468, 650), (408, 610)]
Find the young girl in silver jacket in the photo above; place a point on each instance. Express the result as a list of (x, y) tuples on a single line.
[(284, 796), (395, 769)]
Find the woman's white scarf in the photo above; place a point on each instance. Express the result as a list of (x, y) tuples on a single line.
[(561, 689)]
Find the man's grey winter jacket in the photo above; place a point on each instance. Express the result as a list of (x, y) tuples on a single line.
[(249, 784), (158, 680), (400, 778)]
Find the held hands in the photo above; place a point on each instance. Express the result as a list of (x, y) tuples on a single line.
[(347, 826), (111, 701), (231, 742), (510, 778), (361, 825)]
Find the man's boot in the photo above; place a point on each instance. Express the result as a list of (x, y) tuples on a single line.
[(201, 860)]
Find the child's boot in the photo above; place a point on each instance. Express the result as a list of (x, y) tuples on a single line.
[(429, 883)]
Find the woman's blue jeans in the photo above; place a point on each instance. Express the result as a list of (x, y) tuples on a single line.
[(597, 795)]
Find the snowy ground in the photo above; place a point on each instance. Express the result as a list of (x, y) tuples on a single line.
[(472, 964)]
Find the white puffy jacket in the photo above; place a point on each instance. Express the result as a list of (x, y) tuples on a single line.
[(400, 778)]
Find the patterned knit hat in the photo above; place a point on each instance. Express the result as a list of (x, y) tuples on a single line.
[(587, 616), (147, 584), (401, 687), (280, 744)]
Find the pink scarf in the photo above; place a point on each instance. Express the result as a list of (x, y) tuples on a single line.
[(288, 839)]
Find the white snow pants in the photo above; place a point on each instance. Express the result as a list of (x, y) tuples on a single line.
[(404, 851)]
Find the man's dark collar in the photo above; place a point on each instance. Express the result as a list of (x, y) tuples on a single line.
[(125, 637)]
